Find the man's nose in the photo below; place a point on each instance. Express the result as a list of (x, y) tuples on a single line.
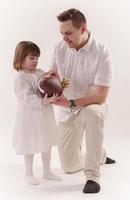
[(65, 38)]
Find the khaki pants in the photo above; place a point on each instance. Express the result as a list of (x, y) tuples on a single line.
[(89, 120)]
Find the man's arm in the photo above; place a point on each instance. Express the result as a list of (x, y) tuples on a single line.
[(97, 95), (51, 72)]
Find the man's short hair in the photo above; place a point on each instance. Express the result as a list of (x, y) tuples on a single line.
[(73, 14)]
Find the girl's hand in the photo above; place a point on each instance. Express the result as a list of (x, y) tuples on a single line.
[(47, 100)]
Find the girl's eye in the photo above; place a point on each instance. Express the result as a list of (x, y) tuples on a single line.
[(32, 58)]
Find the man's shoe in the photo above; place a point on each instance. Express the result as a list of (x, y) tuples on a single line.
[(91, 187), (110, 161)]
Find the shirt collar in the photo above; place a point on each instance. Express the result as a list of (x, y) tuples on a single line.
[(86, 47)]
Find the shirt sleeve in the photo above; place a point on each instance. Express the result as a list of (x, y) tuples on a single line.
[(25, 93), (103, 75)]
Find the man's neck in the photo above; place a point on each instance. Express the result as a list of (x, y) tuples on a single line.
[(84, 41)]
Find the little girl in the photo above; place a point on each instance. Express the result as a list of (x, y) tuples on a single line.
[(35, 128)]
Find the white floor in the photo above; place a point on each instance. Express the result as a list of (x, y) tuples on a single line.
[(114, 179)]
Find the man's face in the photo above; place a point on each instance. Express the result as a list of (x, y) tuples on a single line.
[(71, 35)]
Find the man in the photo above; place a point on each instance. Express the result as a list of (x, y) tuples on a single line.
[(83, 109)]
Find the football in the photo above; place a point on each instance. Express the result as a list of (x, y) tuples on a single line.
[(50, 85)]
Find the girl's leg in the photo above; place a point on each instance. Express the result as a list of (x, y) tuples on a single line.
[(46, 160), (30, 179)]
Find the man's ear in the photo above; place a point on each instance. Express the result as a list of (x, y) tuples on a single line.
[(84, 28)]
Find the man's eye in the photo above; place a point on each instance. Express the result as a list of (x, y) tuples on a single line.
[(68, 33)]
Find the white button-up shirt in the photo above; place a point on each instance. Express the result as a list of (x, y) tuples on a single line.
[(89, 66)]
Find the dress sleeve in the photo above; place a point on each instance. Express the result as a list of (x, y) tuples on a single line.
[(25, 93)]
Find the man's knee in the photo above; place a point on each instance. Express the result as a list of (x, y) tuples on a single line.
[(95, 112)]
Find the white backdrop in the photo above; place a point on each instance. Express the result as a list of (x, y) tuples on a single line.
[(35, 20)]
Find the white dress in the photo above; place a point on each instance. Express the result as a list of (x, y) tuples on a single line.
[(35, 127)]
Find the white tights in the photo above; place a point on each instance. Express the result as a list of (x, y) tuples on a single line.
[(47, 174)]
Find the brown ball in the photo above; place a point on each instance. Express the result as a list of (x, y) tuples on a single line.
[(50, 85)]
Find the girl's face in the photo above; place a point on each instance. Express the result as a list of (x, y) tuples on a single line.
[(30, 63)]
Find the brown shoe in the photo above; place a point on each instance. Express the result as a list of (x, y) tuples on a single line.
[(109, 161), (91, 187)]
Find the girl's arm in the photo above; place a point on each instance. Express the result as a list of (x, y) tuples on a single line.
[(26, 94)]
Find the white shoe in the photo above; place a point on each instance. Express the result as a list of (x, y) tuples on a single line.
[(31, 180), (52, 176)]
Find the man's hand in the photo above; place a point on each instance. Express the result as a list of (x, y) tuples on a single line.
[(51, 72), (62, 101)]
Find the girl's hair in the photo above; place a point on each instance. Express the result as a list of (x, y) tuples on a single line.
[(23, 49)]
